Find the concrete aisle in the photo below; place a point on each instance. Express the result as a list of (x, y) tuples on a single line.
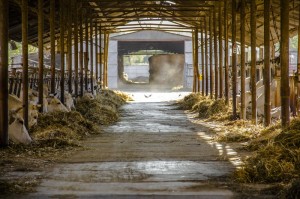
[(154, 151)]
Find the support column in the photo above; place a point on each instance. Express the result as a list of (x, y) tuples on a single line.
[(267, 69), (234, 51), (211, 56), (81, 51), (284, 60), (41, 51), (76, 47), (100, 59), (253, 59), (194, 64), (25, 60), (62, 51), (206, 58), (202, 59), (96, 52), (3, 73), (92, 54), (220, 50), (298, 69), (52, 44), (243, 70), (226, 54), (69, 45), (216, 53), (86, 59)]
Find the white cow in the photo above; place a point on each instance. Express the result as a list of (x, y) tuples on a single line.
[(14, 103), (54, 104)]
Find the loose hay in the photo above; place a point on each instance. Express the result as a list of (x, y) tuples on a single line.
[(189, 101)]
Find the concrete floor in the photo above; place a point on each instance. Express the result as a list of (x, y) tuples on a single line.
[(154, 151)]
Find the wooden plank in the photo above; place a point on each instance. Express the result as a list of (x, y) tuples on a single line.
[(243, 70), (62, 52), (41, 52), (226, 53), (52, 44), (253, 60), (216, 52), (234, 55), (220, 51)]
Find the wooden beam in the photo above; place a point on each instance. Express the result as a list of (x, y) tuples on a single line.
[(226, 54), (216, 52), (52, 44), (243, 70), (25, 60), (41, 52), (92, 54), (253, 59), (62, 52), (284, 61), (86, 59), (206, 58), (76, 64), (234, 65), (211, 71), (3, 73), (100, 58), (81, 51), (69, 44), (267, 69), (96, 53), (298, 67), (202, 60), (220, 50)]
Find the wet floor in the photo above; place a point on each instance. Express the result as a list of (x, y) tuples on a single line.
[(154, 151)]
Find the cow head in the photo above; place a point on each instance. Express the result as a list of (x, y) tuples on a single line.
[(54, 104), (17, 131)]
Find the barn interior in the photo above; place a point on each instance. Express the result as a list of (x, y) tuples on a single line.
[(244, 54)]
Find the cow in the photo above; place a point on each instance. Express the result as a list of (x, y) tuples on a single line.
[(14, 103), (54, 104), (17, 131)]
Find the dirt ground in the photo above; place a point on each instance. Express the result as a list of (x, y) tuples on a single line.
[(154, 151)]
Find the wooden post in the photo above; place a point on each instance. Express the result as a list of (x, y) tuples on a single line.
[(243, 70), (226, 54), (234, 51), (211, 70), (267, 69), (202, 59), (284, 60), (41, 51), (216, 52), (96, 53), (206, 58), (52, 45), (25, 60), (253, 59), (197, 59), (86, 52), (69, 45), (81, 51), (298, 68), (76, 47), (194, 65), (62, 52), (100, 59), (3, 73), (106, 57), (92, 54), (220, 50)]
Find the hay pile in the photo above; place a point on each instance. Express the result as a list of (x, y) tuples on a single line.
[(125, 96), (103, 109), (59, 129), (276, 161), (189, 101)]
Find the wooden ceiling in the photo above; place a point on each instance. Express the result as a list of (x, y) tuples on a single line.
[(135, 15)]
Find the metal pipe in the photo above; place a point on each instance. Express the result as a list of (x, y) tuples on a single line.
[(25, 60), (41, 52), (3, 73), (284, 60)]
